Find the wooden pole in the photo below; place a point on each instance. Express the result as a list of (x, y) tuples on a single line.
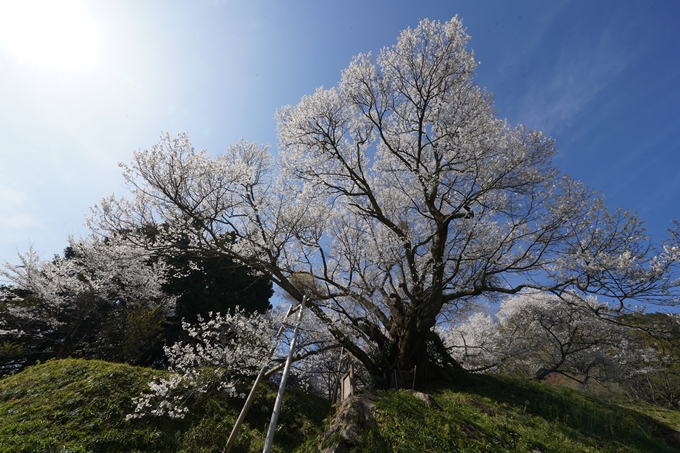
[(338, 378), (251, 395), (282, 387), (351, 379)]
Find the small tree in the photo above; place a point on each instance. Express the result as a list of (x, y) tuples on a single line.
[(221, 351), (403, 199)]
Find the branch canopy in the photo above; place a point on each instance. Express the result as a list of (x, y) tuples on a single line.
[(396, 198)]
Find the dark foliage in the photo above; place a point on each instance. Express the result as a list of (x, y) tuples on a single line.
[(215, 284), (660, 384), (114, 329)]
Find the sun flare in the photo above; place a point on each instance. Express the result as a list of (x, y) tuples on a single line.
[(55, 33)]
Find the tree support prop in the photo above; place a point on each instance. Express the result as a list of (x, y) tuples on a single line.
[(258, 380), (282, 387)]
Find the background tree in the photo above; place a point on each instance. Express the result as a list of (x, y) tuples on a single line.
[(537, 335), (210, 284), (215, 284), (204, 283), (658, 382), (25, 330), (103, 299), (403, 199)]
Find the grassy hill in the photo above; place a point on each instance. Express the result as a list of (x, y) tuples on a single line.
[(495, 414), (80, 406)]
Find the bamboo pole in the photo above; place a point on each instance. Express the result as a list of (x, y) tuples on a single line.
[(282, 387), (258, 380)]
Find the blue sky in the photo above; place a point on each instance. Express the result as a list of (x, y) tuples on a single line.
[(600, 77)]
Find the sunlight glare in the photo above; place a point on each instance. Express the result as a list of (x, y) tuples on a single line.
[(55, 33)]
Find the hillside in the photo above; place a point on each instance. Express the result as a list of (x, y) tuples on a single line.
[(80, 406)]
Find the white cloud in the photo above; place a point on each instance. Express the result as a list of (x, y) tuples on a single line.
[(13, 215), (580, 73)]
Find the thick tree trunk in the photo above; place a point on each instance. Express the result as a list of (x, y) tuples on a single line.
[(421, 349)]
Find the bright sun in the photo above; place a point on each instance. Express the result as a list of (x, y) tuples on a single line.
[(56, 33)]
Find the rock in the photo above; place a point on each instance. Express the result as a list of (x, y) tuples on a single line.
[(354, 416), (428, 399)]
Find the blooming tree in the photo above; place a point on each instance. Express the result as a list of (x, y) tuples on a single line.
[(70, 304), (118, 271), (402, 199), (537, 334), (223, 349)]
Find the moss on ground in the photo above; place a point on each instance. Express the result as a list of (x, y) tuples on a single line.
[(494, 414)]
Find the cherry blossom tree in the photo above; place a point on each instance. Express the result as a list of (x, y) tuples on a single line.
[(536, 335), (224, 349), (103, 299), (221, 349), (402, 199)]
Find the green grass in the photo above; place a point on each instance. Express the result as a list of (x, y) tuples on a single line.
[(493, 414), (80, 406)]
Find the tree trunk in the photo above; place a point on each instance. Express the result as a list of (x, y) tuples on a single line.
[(420, 348)]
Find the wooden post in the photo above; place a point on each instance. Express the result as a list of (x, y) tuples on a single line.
[(351, 380), (282, 388), (338, 378), (347, 385)]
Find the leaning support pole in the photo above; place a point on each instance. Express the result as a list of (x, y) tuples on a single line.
[(282, 387), (258, 380)]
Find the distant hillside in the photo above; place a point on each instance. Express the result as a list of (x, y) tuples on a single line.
[(80, 406)]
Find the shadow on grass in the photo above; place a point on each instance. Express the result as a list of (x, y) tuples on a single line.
[(571, 411)]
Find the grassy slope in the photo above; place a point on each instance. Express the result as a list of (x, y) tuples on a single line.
[(495, 414), (80, 406)]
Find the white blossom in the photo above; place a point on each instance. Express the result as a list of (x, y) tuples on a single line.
[(112, 270), (223, 349), (534, 334), (402, 199)]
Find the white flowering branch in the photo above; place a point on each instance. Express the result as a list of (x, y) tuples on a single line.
[(222, 350)]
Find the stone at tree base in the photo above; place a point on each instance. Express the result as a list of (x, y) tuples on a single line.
[(354, 416), (428, 399)]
